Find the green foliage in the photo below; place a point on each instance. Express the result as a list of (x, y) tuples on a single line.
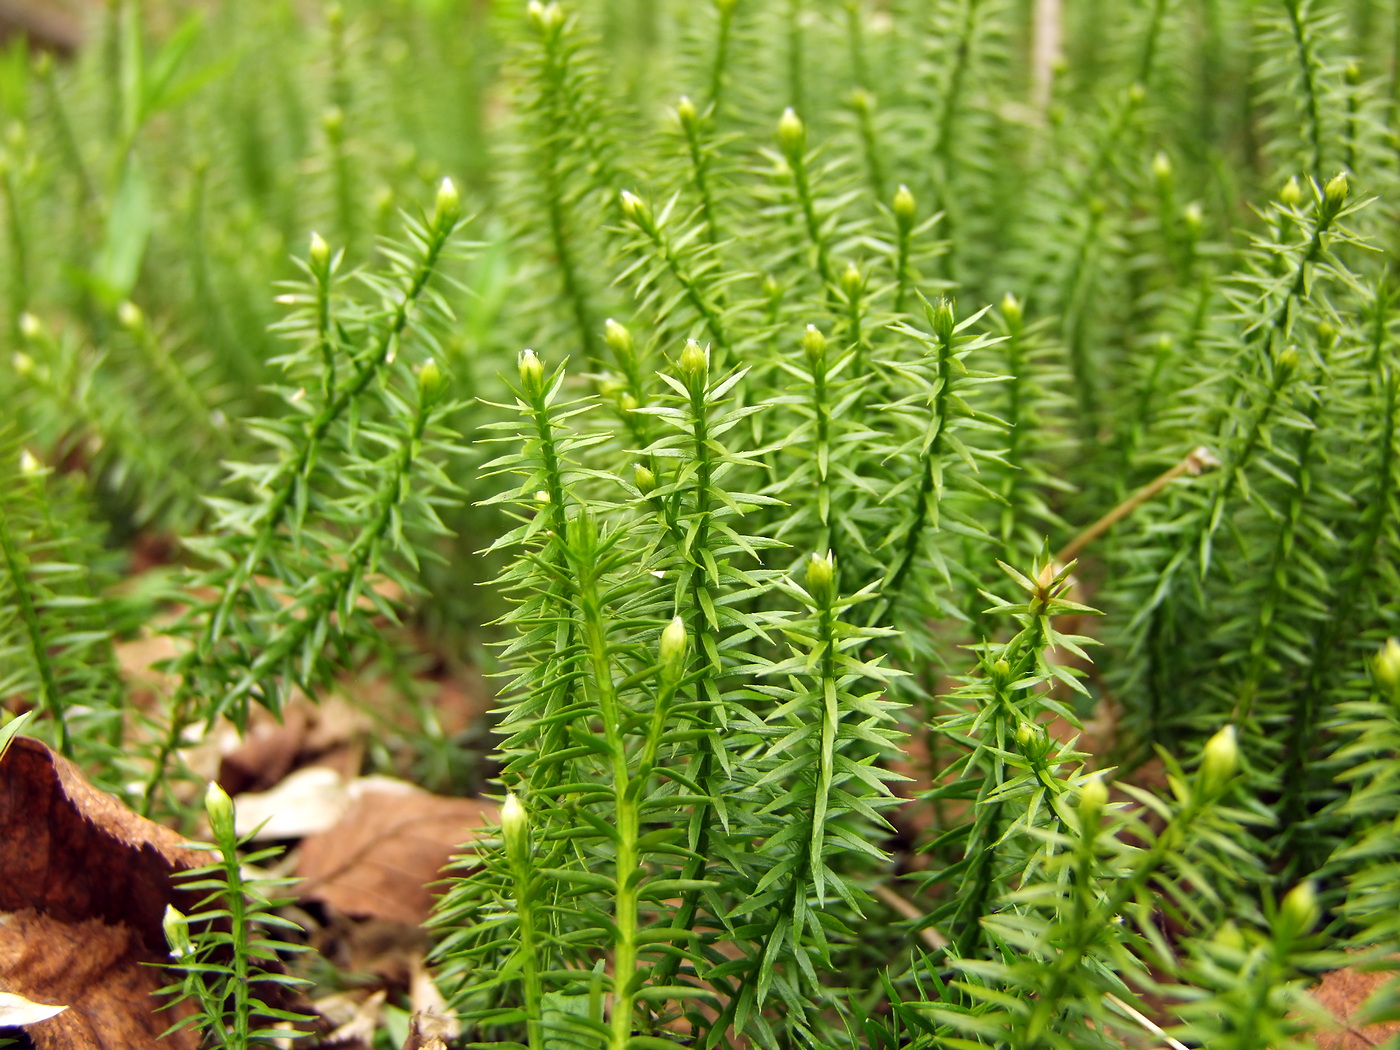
[(226, 950), (841, 317)]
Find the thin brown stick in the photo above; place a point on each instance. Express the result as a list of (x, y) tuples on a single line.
[(935, 940), (1196, 461), (1146, 1022)]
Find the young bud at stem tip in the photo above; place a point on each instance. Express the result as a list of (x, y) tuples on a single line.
[(1093, 796), (821, 578), (686, 113), (531, 373), (618, 338), (177, 932), (130, 317), (1292, 194), (1298, 913), (219, 808), (792, 136), (813, 345), (1011, 310), (672, 651), (1219, 761), (1337, 190), (515, 827), (319, 253), (449, 204), (430, 381), (694, 363), (1386, 667), (905, 209)]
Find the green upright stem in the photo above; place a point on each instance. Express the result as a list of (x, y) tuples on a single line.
[(50, 697)]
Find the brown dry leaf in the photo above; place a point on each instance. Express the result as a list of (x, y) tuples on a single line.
[(85, 882), (330, 734), (1343, 993), (75, 853), (426, 1031), (100, 972), (310, 801), (391, 844)]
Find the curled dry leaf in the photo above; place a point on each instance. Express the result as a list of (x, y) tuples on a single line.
[(99, 971), (392, 843), (83, 884)]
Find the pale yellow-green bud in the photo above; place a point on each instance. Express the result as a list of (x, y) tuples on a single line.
[(430, 381), (219, 808), (333, 121), (792, 135), (1353, 73), (22, 363), (726, 7), (129, 316), (545, 19), (384, 202), (686, 113), (29, 464), (448, 205), (1001, 669), (944, 320), (542, 496), (335, 16), (1025, 733), (1228, 936), (30, 327), (515, 828), (1093, 796), (531, 373), (694, 363), (1162, 167), (672, 651), (1386, 667), (1292, 194), (1287, 361), (852, 282), (905, 209), (627, 402), (1327, 333), (813, 345), (177, 933), (644, 479), (1137, 94), (1011, 310), (1194, 218), (862, 101), (1219, 760), (635, 210), (1298, 913), (319, 253), (821, 578), (618, 338), (1337, 189), (772, 290)]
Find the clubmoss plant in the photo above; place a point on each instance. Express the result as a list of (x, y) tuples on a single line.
[(834, 312)]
